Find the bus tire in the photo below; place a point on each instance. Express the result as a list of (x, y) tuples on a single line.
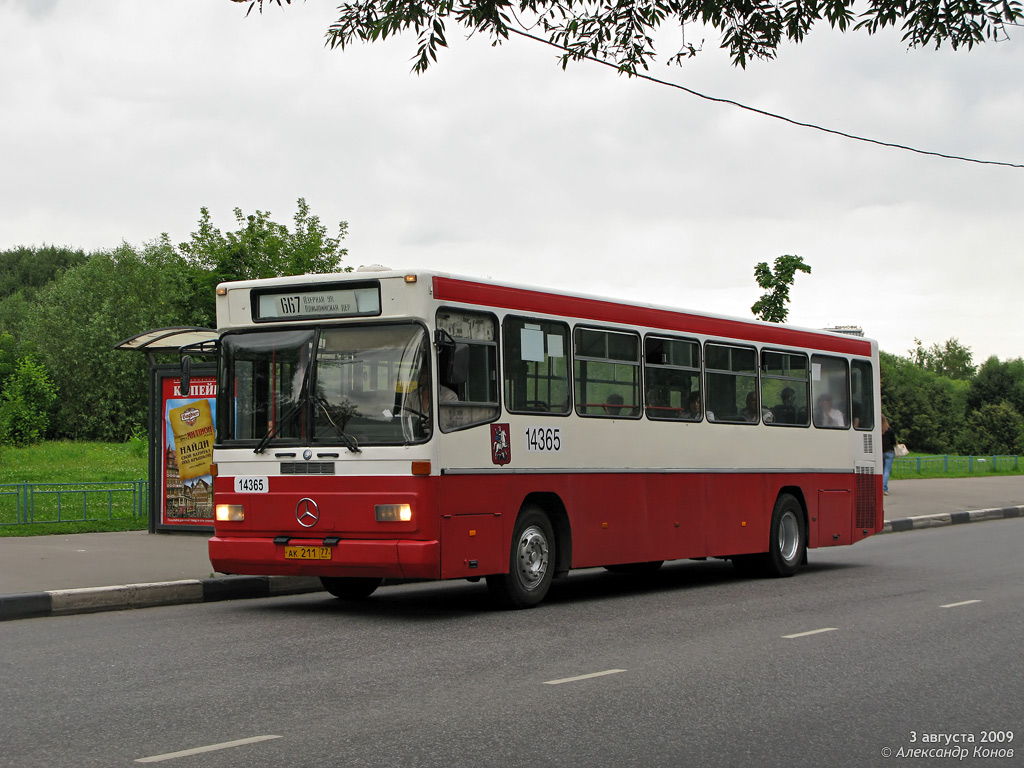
[(531, 564), (351, 587), (787, 542)]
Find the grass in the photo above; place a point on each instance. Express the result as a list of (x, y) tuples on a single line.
[(62, 461), (73, 462)]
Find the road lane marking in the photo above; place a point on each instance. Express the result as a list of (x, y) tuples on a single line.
[(957, 605), (200, 750), (584, 677), (812, 632)]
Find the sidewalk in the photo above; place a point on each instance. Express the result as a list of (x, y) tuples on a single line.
[(85, 572)]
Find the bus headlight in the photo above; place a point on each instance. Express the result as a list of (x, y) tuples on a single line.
[(393, 513), (230, 512)]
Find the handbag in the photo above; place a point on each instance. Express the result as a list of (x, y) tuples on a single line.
[(901, 449)]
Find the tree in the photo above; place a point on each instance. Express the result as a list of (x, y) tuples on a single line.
[(259, 248), (28, 269), (952, 359), (926, 409), (998, 381), (623, 32), (772, 305), (79, 317), (995, 428), (24, 404)]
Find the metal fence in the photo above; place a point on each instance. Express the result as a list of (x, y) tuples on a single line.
[(910, 466), (22, 503)]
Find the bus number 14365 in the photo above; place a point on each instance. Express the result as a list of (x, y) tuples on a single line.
[(543, 439)]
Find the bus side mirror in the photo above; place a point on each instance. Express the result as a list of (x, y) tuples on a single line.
[(186, 375)]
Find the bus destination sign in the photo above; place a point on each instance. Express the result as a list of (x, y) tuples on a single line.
[(302, 303)]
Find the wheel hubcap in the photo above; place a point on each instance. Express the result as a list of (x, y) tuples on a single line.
[(532, 557), (789, 537)]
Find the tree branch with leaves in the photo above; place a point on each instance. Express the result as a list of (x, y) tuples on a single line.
[(771, 307), (622, 31)]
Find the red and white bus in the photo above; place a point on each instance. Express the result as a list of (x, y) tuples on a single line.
[(415, 425)]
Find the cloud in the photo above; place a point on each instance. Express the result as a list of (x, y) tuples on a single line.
[(127, 117)]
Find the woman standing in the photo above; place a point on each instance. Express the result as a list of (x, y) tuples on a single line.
[(888, 452)]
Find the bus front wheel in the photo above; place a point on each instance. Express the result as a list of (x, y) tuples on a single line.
[(531, 562), (350, 588)]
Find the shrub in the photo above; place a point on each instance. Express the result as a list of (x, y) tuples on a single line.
[(27, 396)]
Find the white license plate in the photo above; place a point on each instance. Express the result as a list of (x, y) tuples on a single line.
[(250, 484)]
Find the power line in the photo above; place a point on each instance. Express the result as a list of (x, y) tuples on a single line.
[(771, 114)]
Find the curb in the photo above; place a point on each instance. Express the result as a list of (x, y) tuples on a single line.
[(951, 518), (64, 602)]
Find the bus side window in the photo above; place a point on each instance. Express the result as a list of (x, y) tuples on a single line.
[(731, 384), (672, 377), (606, 370), (784, 388), (536, 366), (830, 389), (862, 387), (468, 366)]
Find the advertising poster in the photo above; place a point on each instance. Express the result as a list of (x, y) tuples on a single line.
[(187, 451)]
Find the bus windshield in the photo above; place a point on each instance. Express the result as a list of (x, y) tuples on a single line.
[(350, 385)]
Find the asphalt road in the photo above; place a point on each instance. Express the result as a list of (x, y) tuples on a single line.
[(871, 647)]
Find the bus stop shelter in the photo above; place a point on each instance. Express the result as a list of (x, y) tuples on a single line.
[(181, 428)]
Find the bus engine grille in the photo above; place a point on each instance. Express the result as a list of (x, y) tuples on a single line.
[(307, 467), (865, 498)]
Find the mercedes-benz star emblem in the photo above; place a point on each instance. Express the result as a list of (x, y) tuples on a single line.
[(307, 513)]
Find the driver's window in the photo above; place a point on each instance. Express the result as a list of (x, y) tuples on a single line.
[(467, 369)]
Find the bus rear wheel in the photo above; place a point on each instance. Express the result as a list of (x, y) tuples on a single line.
[(531, 562), (350, 588), (787, 543)]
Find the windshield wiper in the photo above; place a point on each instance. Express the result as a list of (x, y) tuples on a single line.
[(350, 442), (290, 414)]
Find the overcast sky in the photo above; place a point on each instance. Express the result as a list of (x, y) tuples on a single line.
[(121, 118)]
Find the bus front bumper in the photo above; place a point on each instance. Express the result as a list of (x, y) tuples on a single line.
[(399, 558)]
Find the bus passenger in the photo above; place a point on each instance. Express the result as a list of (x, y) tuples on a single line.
[(614, 404), (749, 413), (785, 412), (694, 409), (826, 415)]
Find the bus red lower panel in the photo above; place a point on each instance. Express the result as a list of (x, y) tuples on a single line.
[(465, 522), (395, 559)]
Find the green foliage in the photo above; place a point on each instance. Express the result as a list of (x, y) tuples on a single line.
[(258, 248), (8, 357), (138, 443), (926, 409), (79, 318), (952, 359), (777, 281), (624, 33), (24, 403), (27, 269), (67, 310), (997, 382), (995, 428)]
